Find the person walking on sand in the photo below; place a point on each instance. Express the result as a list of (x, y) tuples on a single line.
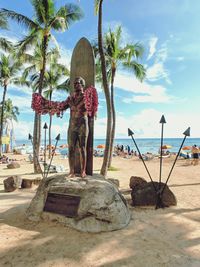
[(195, 155)]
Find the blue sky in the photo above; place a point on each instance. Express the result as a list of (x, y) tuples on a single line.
[(170, 33)]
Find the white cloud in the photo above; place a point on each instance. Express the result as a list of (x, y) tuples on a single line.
[(147, 92), (152, 47), (22, 129), (157, 72), (65, 56), (145, 124)]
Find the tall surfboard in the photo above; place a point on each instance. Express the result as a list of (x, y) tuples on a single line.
[(83, 64)]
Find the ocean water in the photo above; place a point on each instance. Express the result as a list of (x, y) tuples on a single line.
[(144, 144)]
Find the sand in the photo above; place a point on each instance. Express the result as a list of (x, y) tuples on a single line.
[(163, 237)]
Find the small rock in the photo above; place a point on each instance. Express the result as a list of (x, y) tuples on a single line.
[(27, 183), (145, 195), (136, 181), (13, 165), (12, 183)]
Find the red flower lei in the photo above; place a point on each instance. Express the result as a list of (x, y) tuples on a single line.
[(91, 101), (43, 106)]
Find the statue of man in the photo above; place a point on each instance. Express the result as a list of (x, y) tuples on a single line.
[(82, 103)]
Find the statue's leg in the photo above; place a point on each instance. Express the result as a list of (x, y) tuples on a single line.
[(72, 140), (83, 136)]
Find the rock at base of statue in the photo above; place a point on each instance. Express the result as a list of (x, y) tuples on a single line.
[(143, 193), (12, 183), (114, 181), (13, 165), (91, 204)]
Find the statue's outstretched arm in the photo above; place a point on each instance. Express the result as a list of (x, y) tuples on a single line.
[(43, 106)]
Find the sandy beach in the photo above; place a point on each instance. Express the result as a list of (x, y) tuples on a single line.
[(164, 237)]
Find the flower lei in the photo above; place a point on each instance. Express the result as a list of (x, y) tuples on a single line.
[(43, 106), (91, 101)]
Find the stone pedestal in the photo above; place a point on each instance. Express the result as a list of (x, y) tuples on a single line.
[(92, 204)]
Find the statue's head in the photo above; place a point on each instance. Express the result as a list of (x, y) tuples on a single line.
[(79, 83)]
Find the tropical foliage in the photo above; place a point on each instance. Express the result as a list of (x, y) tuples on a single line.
[(46, 18), (119, 56), (10, 114), (9, 68)]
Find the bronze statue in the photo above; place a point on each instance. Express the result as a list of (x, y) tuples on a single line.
[(82, 103)]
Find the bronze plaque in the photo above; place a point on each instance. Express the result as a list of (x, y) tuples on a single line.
[(66, 205)]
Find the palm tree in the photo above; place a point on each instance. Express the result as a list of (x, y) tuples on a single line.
[(46, 19), (8, 75), (4, 44), (116, 57), (53, 82), (10, 114), (104, 168)]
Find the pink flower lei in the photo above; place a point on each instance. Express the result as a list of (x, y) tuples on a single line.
[(91, 100), (43, 106)]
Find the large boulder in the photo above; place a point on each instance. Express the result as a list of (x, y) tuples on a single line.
[(91, 204), (13, 165), (143, 193), (12, 183)]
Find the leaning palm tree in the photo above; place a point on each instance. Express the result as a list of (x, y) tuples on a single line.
[(9, 68), (118, 56), (46, 18)]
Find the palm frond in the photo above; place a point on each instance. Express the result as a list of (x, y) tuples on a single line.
[(96, 6), (19, 18), (65, 86), (3, 22), (29, 70), (6, 45), (65, 16), (20, 81), (27, 42), (55, 42), (137, 68)]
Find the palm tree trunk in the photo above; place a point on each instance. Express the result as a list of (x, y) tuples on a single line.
[(36, 142), (114, 117), (2, 115), (37, 120), (50, 124), (104, 167)]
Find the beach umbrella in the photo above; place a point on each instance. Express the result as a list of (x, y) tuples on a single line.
[(187, 148), (166, 147), (101, 146)]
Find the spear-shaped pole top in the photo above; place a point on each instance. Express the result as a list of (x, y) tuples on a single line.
[(130, 132), (30, 137), (58, 137), (45, 126), (162, 120), (187, 132)]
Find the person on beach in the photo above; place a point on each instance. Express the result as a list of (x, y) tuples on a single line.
[(82, 103), (195, 155)]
